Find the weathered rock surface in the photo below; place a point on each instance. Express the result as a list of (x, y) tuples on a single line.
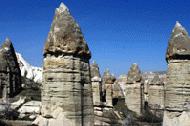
[(10, 74), (177, 86), (96, 83), (134, 90), (94, 69), (134, 74), (106, 116), (156, 93), (117, 91), (122, 81), (108, 81), (30, 110), (154, 100), (177, 119), (66, 74), (65, 36), (179, 47)]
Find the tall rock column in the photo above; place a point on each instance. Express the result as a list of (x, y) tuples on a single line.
[(96, 83), (108, 81), (155, 101), (67, 90), (156, 93), (177, 92), (10, 74), (134, 90)]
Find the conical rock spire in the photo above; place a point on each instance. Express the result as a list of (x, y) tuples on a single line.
[(134, 74), (179, 43), (108, 77), (65, 36), (94, 70)]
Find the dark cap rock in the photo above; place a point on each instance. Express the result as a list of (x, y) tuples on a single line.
[(65, 36), (179, 43)]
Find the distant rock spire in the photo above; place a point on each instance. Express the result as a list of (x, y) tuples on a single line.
[(108, 77), (94, 70), (179, 43), (65, 36), (134, 74)]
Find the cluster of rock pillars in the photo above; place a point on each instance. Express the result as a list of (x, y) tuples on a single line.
[(73, 92)]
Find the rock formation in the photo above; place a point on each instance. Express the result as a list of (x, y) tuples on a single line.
[(177, 100), (117, 91), (155, 99), (122, 81), (118, 94), (66, 86), (96, 83), (10, 75), (134, 90), (156, 93), (108, 81)]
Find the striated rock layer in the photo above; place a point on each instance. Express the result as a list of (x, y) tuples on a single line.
[(134, 90), (177, 100), (154, 103), (66, 86), (96, 83), (108, 81), (156, 94)]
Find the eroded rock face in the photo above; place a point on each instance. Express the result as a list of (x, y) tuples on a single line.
[(134, 74), (134, 90), (94, 69), (10, 75), (66, 73), (177, 86), (179, 47), (156, 93), (96, 83), (154, 100), (117, 91), (108, 81), (65, 36)]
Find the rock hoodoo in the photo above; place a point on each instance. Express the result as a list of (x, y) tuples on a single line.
[(156, 93), (96, 83), (108, 81), (177, 100), (10, 75), (155, 99), (134, 90), (66, 86)]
